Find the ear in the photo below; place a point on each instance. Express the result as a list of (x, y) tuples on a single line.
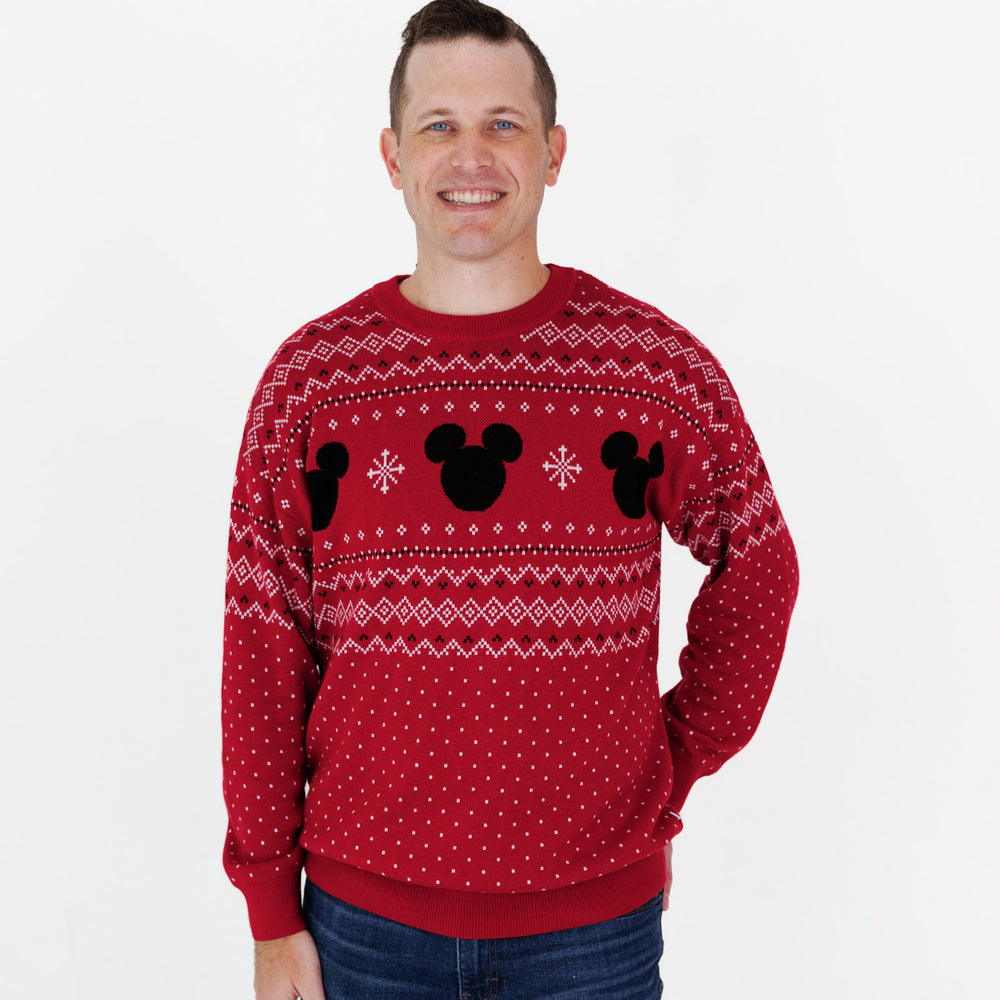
[(389, 148), (557, 152)]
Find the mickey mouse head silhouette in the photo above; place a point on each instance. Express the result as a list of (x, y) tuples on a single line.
[(473, 476), (619, 452), (323, 485)]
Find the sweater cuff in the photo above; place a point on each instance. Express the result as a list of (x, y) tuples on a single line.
[(274, 906)]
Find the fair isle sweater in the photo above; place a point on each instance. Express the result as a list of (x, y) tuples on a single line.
[(440, 675)]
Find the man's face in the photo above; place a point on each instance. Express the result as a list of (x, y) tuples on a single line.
[(472, 157)]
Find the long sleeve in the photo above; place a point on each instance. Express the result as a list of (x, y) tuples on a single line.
[(730, 521), (270, 678)]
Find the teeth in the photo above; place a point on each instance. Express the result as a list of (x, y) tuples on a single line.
[(471, 197)]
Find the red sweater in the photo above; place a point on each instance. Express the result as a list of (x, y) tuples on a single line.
[(442, 609)]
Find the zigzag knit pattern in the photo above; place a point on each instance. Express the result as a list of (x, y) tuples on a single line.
[(442, 608)]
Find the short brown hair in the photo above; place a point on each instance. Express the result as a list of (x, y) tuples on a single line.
[(449, 20)]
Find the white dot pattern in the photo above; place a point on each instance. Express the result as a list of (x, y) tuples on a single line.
[(471, 696)]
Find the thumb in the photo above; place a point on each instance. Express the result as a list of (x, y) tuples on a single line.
[(308, 983), (307, 977)]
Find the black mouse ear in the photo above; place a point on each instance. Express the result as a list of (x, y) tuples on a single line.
[(618, 449), (656, 460), (444, 441), (333, 458), (502, 441)]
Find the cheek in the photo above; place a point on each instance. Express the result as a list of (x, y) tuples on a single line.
[(534, 169), (535, 175), (425, 175), (417, 167)]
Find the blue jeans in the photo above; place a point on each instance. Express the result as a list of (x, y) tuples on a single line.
[(367, 957)]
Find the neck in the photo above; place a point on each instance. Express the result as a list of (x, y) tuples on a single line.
[(475, 288)]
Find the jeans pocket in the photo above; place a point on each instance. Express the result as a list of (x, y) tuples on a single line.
[(657, 900)]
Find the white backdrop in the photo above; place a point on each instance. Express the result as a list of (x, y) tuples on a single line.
[(811, 189)]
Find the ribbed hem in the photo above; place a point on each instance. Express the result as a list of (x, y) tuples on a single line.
[(481, 915), (488, 326)]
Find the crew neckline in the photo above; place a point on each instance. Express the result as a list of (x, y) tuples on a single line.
[(487, 326)]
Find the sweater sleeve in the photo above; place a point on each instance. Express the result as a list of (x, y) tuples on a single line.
[(269, 680), (726, 513)]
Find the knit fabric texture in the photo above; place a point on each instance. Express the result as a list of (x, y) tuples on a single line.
[(442, 604)]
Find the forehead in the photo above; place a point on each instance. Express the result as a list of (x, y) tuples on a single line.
[(469, 74)]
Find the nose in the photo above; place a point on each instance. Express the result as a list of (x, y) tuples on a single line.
[(471, 150)]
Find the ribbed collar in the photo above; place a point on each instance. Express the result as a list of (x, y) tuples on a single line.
[(489, 326)]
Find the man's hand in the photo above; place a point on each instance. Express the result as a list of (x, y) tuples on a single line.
[(287, 968)]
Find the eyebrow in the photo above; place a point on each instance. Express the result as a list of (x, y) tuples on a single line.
[(501, 109)]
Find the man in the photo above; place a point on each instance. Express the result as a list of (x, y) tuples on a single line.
[(443, 587)]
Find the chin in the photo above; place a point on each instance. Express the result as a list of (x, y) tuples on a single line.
[(472, 249)]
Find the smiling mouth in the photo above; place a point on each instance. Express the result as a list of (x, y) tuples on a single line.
[(470, 197)]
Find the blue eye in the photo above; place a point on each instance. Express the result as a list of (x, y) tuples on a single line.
[(438, 126), (505, 126)]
